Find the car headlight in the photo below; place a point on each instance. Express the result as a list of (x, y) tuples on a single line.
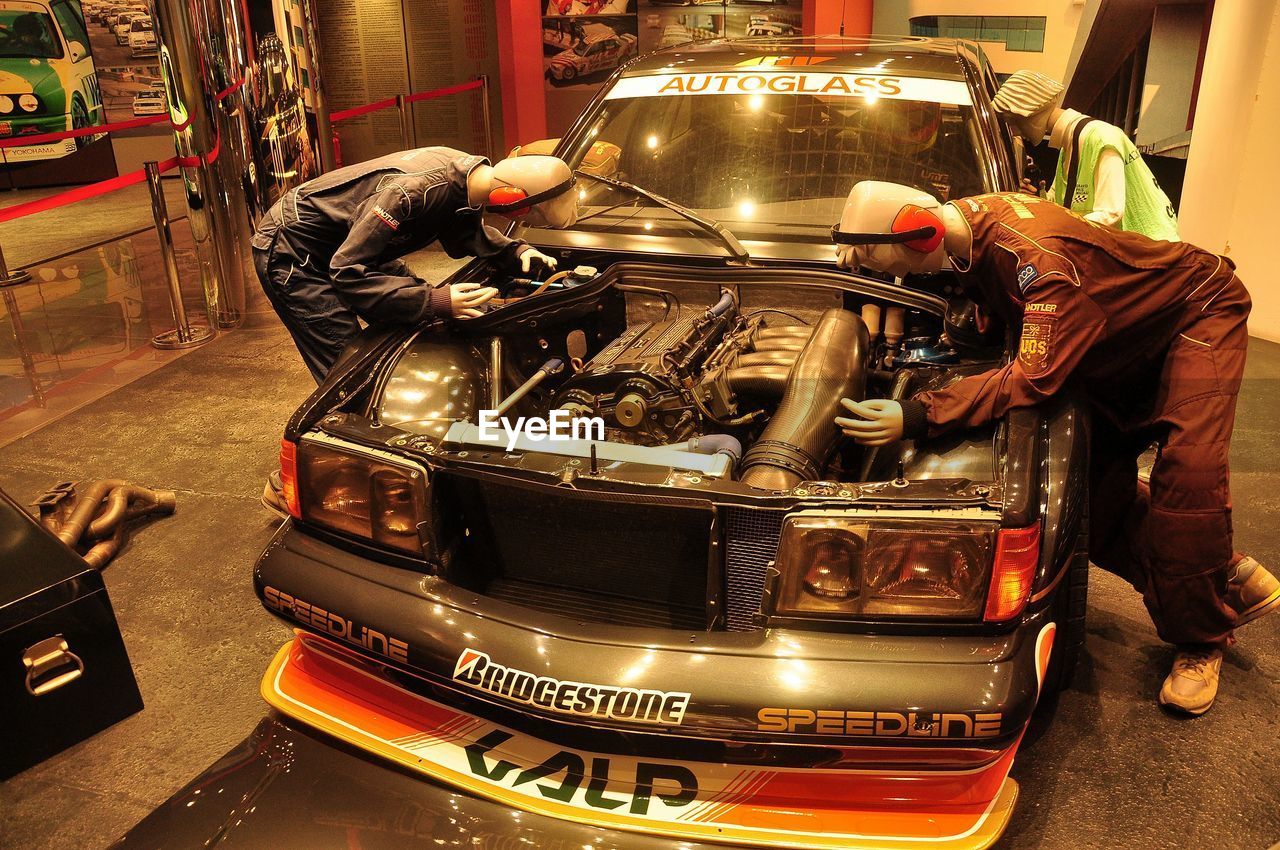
[(357, 495), (29, 102), (858, 567), (6, 104)]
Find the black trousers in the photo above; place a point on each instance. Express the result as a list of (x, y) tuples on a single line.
[(300, 290)]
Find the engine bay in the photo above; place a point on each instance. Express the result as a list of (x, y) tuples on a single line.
[(681, 365)]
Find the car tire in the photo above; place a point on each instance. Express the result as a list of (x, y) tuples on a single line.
[(79, 119), (1069, 611), (568, 74)]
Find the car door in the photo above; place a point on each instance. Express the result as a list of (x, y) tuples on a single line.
[(82, 78)]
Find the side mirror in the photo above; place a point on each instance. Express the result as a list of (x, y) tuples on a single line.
[(77, 51)]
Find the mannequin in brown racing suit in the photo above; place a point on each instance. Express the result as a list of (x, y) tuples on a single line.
[(1153, 335)]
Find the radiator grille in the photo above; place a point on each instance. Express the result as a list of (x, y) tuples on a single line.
[(590, 557), (752, 536), (596, 607)]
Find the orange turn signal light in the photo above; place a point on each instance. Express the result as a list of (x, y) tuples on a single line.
[(289, 477), (1017, 555)]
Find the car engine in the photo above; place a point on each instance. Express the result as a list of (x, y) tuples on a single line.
[(661, 383)]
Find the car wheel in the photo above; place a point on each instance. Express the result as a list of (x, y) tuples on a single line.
[(568, 73), (79, 119), (1069, 607)]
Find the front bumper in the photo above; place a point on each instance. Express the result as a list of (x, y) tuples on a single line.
[(765, 696), (332, 689)]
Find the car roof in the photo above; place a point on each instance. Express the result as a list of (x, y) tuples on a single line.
[(937, 58)]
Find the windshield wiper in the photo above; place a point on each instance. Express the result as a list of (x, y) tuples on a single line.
[(715, 228)]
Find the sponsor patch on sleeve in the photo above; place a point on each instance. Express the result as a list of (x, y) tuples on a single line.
[(390, 220), (1027, 274), (1035, 350)]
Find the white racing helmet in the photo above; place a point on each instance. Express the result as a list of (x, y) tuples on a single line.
[(888, 227), (535, 188)]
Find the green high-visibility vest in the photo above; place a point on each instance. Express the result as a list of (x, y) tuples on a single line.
[(1147, 209)]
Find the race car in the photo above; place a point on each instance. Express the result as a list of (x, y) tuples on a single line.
[(705, 617), (142, 37), (149, 102), (600, 49), (47, 80)]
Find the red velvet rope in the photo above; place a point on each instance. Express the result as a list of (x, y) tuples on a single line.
[(93, 190), (356, 111)]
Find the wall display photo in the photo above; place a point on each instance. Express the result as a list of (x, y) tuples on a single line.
[(664, 23), (49, 83), (574, 8)]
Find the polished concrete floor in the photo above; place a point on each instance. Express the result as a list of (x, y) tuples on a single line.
[(1107, 770)]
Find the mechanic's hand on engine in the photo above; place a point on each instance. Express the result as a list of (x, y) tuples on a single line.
[(533, 255), (847, 257), (878, 422), (465, 299)]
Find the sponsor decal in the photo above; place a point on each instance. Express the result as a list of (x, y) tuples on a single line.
[(775, 81), (580, 699), (880, 724), (335, 625), (566, 777), (1027, 274), (1036, 345), (387, 217), (1036, 307), (775, 61)]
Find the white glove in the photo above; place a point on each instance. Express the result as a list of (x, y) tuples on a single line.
[(847, 256), (530, 255), (879, 421), (465, 299)]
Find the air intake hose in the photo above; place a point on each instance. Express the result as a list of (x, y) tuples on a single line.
[(799, 438)]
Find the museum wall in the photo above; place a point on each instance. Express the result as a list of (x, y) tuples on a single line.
[(375, 49), (1252, 240), (1231, 170)]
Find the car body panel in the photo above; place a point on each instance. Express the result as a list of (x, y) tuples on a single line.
[(803, 808), (439, 624)]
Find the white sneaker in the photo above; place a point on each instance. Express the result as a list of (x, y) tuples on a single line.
[(1192, 684)]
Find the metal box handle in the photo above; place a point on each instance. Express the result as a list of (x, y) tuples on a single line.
[(50, 665)]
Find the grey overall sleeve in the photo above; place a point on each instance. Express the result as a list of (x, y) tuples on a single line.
[(377, 290)]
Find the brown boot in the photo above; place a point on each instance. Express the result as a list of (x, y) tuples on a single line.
[(1193, 682), (1252, 591)]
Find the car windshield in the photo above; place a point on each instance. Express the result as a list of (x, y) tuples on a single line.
[(142, 26), (28, 35), (771, 152)]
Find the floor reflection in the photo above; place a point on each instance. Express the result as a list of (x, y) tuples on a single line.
[(82, 327)]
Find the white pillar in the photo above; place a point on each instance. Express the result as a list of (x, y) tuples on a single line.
[(1224, 107)]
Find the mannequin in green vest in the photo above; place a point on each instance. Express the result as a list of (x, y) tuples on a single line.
[(1112, 185)]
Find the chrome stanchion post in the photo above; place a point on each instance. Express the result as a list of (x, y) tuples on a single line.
[(484, 113), (8, 279), (184, 334), (407, 130)]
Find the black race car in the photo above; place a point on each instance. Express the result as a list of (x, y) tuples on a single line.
[(706, 617)]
